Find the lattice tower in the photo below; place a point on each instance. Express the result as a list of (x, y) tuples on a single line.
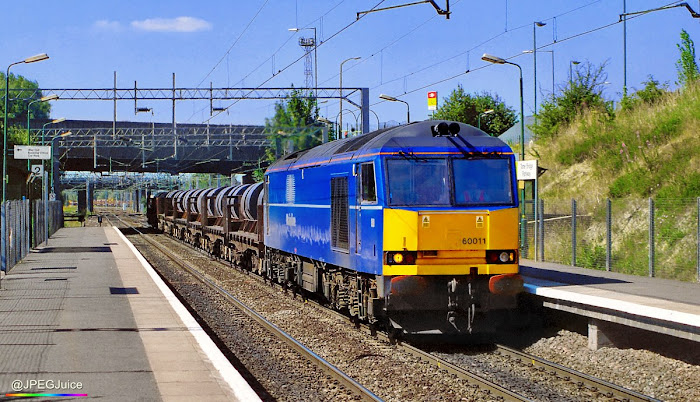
[(308, 45)]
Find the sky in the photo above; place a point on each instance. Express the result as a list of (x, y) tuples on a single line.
[(405, 52)]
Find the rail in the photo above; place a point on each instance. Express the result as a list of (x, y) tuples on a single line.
[(595, 384), (327, 367)]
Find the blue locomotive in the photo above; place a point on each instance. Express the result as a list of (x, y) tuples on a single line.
[(413, 227)]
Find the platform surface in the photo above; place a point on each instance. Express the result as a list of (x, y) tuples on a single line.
[(83, 315), (661, 299)]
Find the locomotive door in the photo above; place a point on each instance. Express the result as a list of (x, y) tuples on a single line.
[(366, 199)]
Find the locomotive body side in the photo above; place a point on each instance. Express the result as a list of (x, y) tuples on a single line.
[(306, 218)]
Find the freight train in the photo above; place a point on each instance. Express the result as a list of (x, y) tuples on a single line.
[(412, 228)]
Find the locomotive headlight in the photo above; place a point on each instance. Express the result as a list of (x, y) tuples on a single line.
[(501, 257), (401, 258)]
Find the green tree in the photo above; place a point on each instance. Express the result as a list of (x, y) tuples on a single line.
[(652, 92), (294, 127), (463, 107), (686, 65), (17, 104), (584, 92)]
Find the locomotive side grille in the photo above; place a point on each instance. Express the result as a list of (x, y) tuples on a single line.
[(339, 213)]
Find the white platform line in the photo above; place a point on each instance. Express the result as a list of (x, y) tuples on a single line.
[(239, 386), (545, 288)]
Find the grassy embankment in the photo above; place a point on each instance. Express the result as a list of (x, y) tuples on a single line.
[(648, 151)]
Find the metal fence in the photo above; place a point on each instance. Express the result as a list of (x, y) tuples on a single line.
[(24, 226), (658, 238)]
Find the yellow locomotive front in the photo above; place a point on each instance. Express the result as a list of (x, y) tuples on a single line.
[(451, 263)]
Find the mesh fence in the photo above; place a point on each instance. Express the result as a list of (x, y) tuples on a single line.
[(23, 225), (659, 238)]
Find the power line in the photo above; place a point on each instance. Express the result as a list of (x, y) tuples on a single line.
[(520, 54), (271, 58), (296, 60), (234, 42)]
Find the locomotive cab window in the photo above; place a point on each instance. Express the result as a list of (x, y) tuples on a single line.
[(417, 181), (482, 181), (369, 187)]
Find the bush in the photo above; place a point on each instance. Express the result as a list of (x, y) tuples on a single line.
[(652, 93), (583, 93)]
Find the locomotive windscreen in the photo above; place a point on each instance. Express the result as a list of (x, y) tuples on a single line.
[(482, 181), (479, 181), (418, 182)]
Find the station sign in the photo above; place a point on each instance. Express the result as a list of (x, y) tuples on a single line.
[(526, 170), (32, 152), (38, 170), (432, 100)]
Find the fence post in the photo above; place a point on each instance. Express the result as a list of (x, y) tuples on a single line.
[(573, 232), (541, 231), (3, 238), (697, 259), (651, 237), (608, 238)]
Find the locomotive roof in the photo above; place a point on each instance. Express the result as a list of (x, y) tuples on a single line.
[(413, 137)]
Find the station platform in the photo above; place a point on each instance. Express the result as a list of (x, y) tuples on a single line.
[(86, 316), (659, 305)]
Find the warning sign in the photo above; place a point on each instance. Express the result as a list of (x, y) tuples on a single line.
[(479, 221), (432, 100), (426, 221)]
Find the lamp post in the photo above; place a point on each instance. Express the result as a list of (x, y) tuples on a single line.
[(392, 99), (29, 110), (60, 136), (46, 185), (552, 53), (315, 58), (54, 121), (534, 56), (340, 129), (485, 113), (499, 60), (571, 71), (42, 99), (377, 116), (33, 59), (341, 88)]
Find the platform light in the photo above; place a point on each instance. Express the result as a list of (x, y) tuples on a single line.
[(393, 99), (48, 98), (5, 178), (493, 59), (35, 58)]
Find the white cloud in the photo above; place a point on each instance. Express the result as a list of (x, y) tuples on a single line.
[(179, 24), (108, 25)]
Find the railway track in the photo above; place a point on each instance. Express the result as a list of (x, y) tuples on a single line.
[(594, 386), (330, 370)]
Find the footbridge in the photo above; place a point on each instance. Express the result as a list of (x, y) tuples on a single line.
[(99, 146)]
